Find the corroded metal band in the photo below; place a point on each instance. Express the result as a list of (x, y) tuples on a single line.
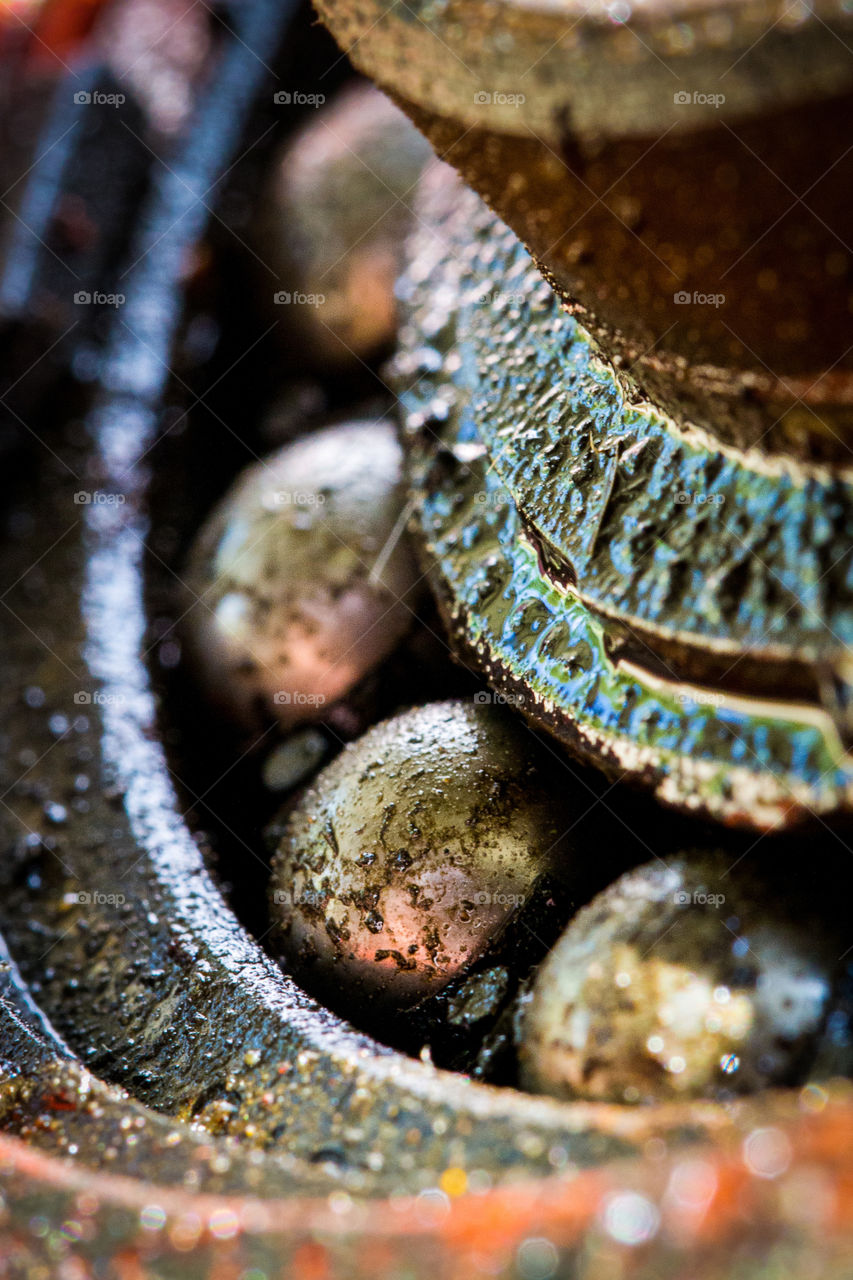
[(691, 262), (605, 70), (699, 227), (651, 521), (568, 528)]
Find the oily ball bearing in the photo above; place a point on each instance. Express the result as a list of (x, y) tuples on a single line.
[(689, 979), (301, 580), (335, 220), (411, 854)]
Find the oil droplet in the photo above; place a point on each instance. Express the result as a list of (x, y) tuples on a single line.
[(692, 1185), (223, 1224), (630, 1218), (152, 1217), (813, 1098), (537, 1259), (767, 1152)]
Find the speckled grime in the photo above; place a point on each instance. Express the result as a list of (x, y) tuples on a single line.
[(650, 632)]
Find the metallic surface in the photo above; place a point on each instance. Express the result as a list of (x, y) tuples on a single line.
[(411, 857), (698, 225), (595, 69), (693, 978), (117, 925), (301, 580), (123, 939), (623, 579)]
